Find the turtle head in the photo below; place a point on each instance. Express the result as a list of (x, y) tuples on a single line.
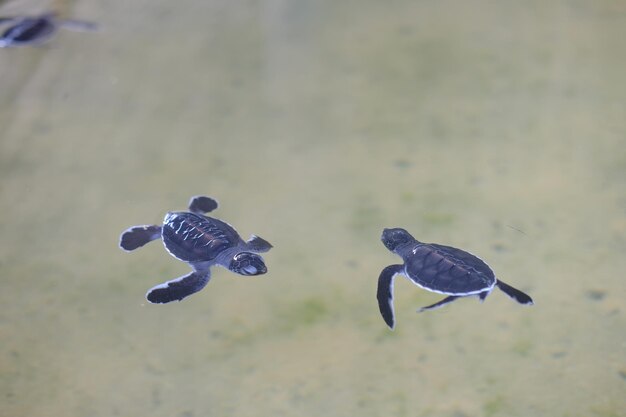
[(248, 263), (395, 239)]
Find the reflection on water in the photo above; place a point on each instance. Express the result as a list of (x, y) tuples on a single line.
[(494, 127)]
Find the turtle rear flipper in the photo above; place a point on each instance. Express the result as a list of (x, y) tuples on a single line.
[(201, 204), (258, 244), (384, 294), (78, 25), (137, 236), (514, 293), (179, 288), (439, 303)]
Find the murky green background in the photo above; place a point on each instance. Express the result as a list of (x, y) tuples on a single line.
[(497, 127)]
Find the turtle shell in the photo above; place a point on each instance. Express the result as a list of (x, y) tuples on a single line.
[(448, 270), (193, 237)]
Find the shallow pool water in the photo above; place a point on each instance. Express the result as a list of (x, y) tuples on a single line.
[(496, 127)]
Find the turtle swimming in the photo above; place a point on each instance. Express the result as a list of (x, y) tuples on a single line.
[(200, 241), (36, 30), (437, 268)]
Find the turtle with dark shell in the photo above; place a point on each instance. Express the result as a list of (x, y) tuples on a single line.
[(200, 241), (36, 30), (437, 268)]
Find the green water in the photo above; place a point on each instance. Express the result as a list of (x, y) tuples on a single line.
[(497, 127)]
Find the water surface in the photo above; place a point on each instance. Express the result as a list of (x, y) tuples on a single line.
[(497, 127)]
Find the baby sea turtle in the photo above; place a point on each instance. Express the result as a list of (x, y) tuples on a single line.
[(202, 242), (35, 30), (437, 268)]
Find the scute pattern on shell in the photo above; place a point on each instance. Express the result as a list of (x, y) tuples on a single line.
[(195, 238), (448, 270)]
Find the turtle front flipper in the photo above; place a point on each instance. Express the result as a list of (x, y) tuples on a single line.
[(137, 236), (514, 293), (179, 288), (200, 204), (384, 293), (439, 303), (258, 244)]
